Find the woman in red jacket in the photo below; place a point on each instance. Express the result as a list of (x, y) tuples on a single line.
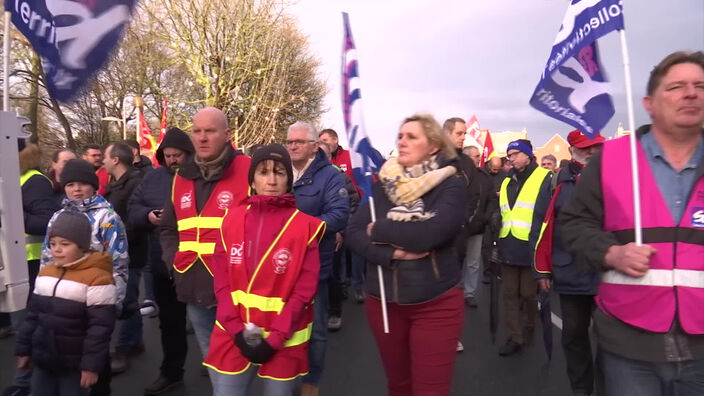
[(265, 278)]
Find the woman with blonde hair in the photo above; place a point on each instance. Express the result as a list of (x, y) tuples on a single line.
[(419, 201)]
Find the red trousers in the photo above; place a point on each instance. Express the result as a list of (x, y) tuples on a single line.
[(419, 352)]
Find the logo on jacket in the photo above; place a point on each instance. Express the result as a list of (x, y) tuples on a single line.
[(281, 260), (698, 217), (343, 167), (225, 199), (186, 200), (236, 253)]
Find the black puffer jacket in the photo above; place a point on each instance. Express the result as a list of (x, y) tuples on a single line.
[(118, 193), (412, 281)]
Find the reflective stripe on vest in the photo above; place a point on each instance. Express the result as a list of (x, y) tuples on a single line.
[(658, 277), (262, 303), (518, 220), (200, 248), (199, 222), (33, 243), (297, 338)]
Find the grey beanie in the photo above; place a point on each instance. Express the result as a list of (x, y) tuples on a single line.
[(73, 226)]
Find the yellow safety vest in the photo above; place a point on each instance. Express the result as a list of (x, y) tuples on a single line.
[(33, 243), (517, 220)]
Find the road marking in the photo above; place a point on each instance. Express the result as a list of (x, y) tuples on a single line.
[(556, 320)]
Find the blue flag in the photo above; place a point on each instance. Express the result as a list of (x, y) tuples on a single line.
[(573, 87), (73, 39), (365, 159)]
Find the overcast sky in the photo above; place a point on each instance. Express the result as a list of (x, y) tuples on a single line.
[(484, 57)]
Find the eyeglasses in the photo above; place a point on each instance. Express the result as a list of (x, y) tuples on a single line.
[(298, 142)]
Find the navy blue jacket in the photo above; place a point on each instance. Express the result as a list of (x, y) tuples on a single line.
[(38, 204), (321, 193), (570, 274)]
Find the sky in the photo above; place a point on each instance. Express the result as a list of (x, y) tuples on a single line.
[(463, 57)]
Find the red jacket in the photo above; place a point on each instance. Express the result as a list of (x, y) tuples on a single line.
[(103, 179), (266, 272), (341, 159)]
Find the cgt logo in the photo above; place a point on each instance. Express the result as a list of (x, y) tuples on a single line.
[(236, 253), (186, 200), (698, 217)]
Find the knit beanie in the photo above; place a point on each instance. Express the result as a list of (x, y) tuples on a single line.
[(73, 226), (274, 152), (515, 145), (78, 170)]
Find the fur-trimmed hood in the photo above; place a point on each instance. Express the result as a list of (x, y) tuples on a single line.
[(30, 158)]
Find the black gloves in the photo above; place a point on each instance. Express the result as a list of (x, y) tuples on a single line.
[(259, 354)]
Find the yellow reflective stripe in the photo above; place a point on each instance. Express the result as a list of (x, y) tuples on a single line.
[(266, 255), (219, 325), (199, 222), (250, 300), (32, 172), (198, 247), (227, 372), (297, 338), (320, 232), (518, 220)]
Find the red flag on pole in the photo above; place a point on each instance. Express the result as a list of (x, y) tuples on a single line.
[(473, 128), (488, 151), (162, 131), (146, 139)]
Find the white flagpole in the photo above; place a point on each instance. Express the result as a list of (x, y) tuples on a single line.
[(632, 138), (6, 63), (382, 292)]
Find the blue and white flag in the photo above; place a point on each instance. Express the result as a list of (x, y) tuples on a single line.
[(365, 159), (73, 38), (573, 87)]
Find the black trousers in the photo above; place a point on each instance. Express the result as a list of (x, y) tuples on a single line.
[(172, 323), (576, 316)]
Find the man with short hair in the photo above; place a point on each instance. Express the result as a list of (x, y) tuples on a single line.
[(571, 277), (517, 198), (146, 206), (549, 162), (58, 160), (206, 185), (93, 153), (141, 162), (474, 154), (125, 178), (320, 191), (648, 324)]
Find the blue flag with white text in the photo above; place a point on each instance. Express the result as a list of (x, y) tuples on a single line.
[(365, 159), (73, 38), (573, 87)]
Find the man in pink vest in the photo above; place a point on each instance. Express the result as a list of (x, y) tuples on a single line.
[(649, 322)]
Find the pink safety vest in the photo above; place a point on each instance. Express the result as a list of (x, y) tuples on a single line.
[(674, 284)]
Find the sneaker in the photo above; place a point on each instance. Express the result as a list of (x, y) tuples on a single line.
[(460, 347), (334, 323), (118, 362), (161, 385), (470, 301), (149, 309), (359, 296), (15, 390), (511, 347)]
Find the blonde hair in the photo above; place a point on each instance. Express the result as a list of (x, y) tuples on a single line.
[(432, 130)]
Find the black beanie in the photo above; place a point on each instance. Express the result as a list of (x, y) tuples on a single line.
[(73, 226), (274, 152), (78, 170)]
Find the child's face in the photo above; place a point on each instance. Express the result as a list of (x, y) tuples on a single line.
[(77, 191), (64, 251)]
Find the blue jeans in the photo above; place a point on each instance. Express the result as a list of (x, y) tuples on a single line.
[(130, 334), (46, 383), (238, 384), (471, 264), (356, 269), (203, 320), (627, 377), (319, 338)]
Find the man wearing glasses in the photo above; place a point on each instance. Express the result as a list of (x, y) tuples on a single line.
[(320, 191)]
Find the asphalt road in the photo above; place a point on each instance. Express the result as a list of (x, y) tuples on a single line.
[(354, 368)]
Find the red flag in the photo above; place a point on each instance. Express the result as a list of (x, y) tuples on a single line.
[(473, 128), (162, 131), (488, 151), (146, 139)]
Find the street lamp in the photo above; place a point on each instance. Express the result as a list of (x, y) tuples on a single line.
[(122, 120)]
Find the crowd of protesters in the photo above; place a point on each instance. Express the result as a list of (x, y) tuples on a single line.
[(256, 251)]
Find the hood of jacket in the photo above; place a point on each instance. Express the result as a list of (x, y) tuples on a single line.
[(101, 260), (95, 202), (30, 158), (189, 169), (174, 138)]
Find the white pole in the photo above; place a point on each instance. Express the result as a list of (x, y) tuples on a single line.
[(631, 126), (6, 63), (382, 292), (124, 120)]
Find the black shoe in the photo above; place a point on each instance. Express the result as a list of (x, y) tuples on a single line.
[(334, 323), (118, 362), (511, 347), (359, 296), (470, 301), (528, 335), (161, 385), (15, 390)]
